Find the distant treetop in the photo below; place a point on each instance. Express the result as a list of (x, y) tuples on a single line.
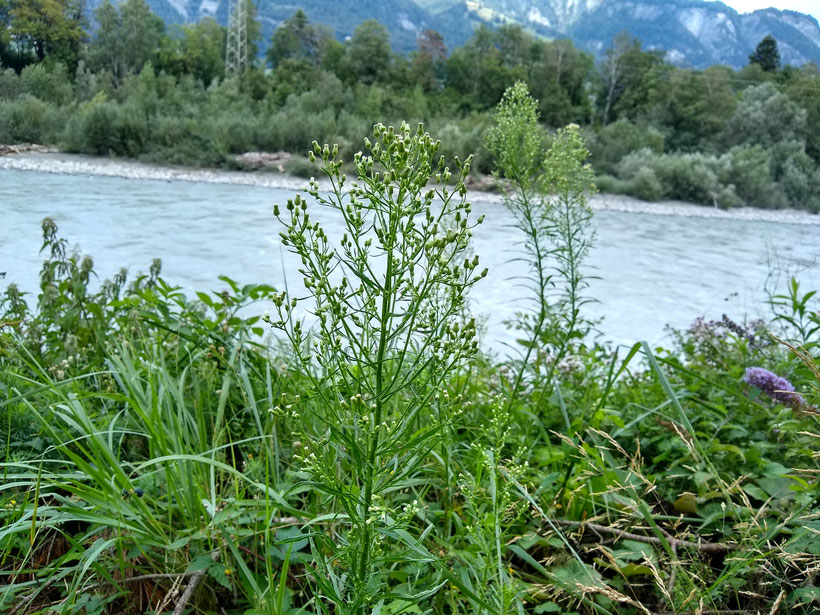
[(766, 54)]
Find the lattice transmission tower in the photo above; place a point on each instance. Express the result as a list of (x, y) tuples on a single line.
[(236, 47)]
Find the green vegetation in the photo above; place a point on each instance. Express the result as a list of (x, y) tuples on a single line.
[(130, 88), (158, 458)]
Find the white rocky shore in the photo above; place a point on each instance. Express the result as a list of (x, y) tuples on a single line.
[(73, 164)]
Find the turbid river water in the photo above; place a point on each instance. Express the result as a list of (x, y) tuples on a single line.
[(651, 270)]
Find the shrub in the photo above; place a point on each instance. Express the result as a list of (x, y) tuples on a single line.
[(289, 128), (465, 136), (91, 129), (232, 131), (615, 141), (646, 185), (29, 120), (48, 84), (751, 175), (608, 184), (696, 178), (9, 84)]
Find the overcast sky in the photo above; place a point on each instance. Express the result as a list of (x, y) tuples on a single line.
[(810, 7)]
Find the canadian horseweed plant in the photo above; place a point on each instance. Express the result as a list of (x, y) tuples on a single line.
[(388, 298), (547, 191)]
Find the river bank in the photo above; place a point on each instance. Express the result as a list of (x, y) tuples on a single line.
[(78, 164)]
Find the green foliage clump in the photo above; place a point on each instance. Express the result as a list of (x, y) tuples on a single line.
[(615, 141), (29, 120)]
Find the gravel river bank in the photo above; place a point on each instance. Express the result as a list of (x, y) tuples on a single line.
[(76, 164)]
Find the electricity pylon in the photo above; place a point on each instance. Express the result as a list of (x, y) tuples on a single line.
[(236, 47)]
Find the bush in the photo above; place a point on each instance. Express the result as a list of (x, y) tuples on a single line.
[(91, 129), (696, 178), (752, 177), (615, 141), (232, 132), (29, 120), (50, 85), (463, 136), (608, 184), (291, 128), (9, 84), (646, 185)]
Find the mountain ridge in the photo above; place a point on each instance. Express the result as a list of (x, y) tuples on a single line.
[(694, 33)]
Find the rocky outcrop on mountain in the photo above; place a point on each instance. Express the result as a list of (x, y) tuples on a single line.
[(692, 32)]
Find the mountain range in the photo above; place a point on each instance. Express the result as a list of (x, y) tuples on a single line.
[(694, 33)]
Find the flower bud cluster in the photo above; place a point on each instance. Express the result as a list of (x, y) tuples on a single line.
[(285, 409)]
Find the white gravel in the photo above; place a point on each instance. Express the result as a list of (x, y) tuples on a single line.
[(73, 164)]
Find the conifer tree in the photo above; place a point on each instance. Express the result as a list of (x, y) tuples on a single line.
[(766, 54)]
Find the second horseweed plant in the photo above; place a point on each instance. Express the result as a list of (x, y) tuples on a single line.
[(547, 193), (388, 300)]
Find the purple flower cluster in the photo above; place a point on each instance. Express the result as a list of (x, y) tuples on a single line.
[(775, 387)]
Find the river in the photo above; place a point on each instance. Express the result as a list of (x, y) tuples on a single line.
[(650, 270)]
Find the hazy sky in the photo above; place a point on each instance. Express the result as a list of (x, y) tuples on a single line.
[(810, 7)]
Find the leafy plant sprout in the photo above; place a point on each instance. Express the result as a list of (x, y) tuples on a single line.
[(389, 302)]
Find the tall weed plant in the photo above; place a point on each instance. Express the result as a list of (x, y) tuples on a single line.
[(389, 299), (548, 186)]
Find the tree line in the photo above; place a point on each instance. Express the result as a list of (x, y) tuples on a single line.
[(132, 86)]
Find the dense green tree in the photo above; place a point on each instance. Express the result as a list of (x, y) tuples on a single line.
[(803, 86), (478, 71), (296, 38), (49, 27), (691, 107), (5, 24), (127, 37), (331, 52), (293, 76), (197, 50), (103, 51), (516, 47), (629, 76), (559, 79), (9, 55), (765, 116), (140, 33), (254, 31), (766, 54), (613, 69), (427, 67), (369, 55)]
